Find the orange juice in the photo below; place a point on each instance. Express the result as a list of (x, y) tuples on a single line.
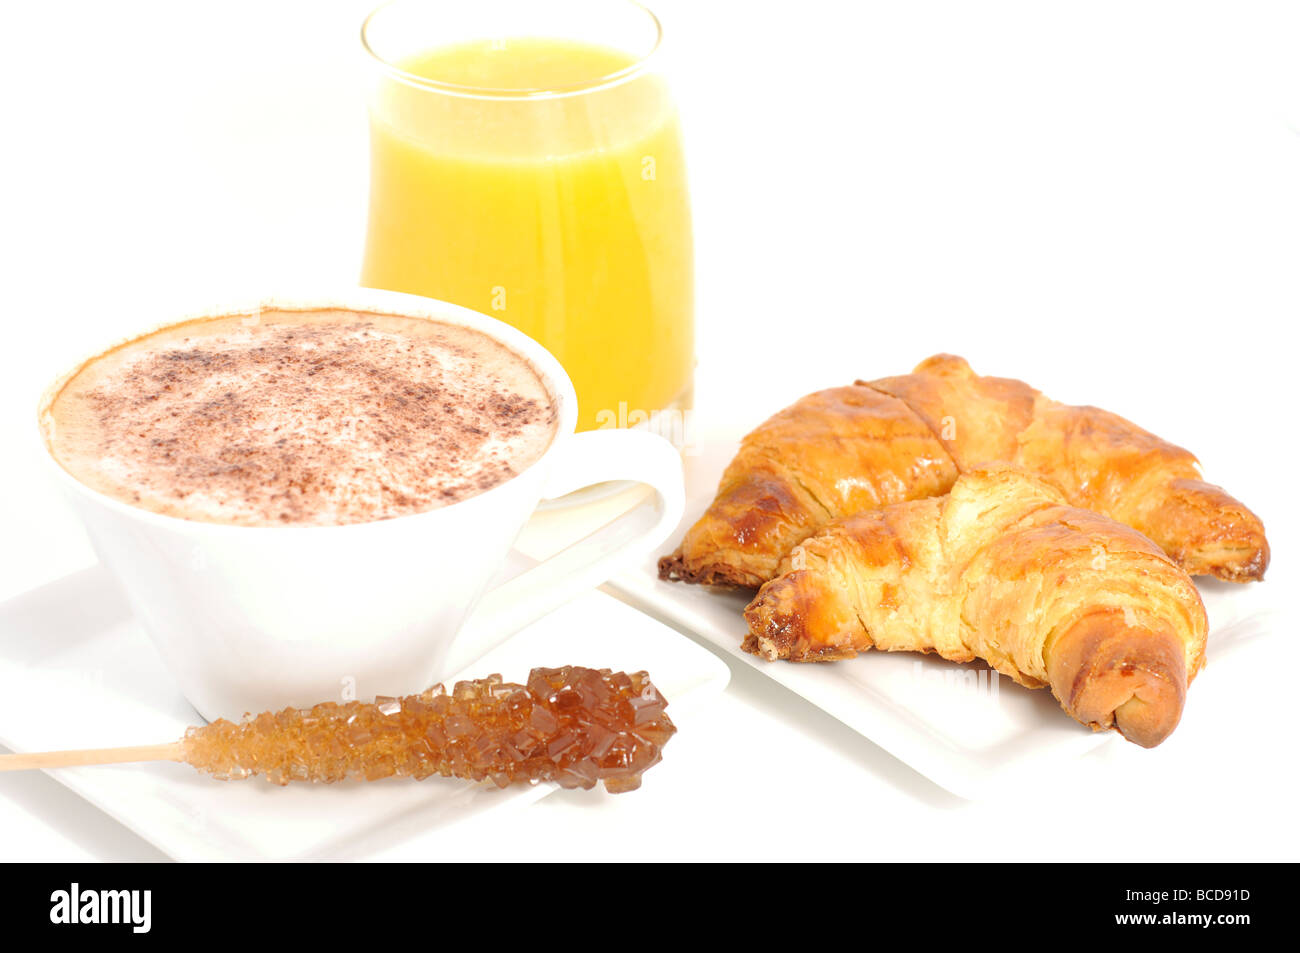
[(531, 181)]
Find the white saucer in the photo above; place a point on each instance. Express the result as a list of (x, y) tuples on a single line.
[(944, 720), (80, 673)]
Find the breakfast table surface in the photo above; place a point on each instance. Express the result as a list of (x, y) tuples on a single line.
[(1099, 199)]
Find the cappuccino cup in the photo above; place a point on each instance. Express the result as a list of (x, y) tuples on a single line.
[(259, 595)]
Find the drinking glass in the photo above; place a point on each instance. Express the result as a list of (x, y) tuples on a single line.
[(526, 162)]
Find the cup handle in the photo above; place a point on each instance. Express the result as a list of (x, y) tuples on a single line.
[(587, 458)]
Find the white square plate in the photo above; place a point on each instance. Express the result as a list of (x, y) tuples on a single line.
[(964, 728), (80, 673)]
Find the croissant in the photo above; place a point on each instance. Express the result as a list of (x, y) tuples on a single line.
[(1004, 570), (846, 450)]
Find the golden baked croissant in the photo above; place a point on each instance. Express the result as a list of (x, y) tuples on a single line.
[(1001, 569), (846, 450)]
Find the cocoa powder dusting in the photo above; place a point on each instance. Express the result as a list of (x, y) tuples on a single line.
[(291, 419)]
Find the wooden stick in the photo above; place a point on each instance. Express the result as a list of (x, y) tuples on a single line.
[(70, 759)]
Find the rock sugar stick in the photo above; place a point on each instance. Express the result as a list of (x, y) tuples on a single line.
[(574, 726)]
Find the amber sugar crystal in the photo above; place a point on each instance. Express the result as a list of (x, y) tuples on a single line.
[(574, 726)]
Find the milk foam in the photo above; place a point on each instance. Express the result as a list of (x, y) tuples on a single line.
[(301, 418)]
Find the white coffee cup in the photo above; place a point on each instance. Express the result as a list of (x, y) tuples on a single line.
[(250, 618)]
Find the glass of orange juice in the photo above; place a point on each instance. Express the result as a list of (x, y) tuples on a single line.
[(526, 162)]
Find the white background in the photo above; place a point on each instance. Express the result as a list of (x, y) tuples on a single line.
[(1101, 198)]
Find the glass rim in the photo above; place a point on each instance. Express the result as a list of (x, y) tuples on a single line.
[(606, 81)]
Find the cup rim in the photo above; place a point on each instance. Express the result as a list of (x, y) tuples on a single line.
[(373, 300), (640, 66)]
